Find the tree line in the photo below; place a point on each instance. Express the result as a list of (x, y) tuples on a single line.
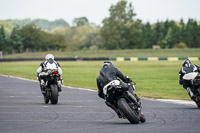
[(121, 30)]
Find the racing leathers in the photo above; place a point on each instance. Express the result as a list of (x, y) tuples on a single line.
[(42, 70), (188, 86), (107, 75)]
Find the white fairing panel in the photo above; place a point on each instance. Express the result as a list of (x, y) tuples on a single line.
[(190, 76), (114, 82), (51, 66)]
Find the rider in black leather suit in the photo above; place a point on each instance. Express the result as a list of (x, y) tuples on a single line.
[(109, 73), (187, 68)]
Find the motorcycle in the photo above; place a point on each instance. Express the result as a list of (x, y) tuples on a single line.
[(126, 104), (193, 79), (51, 87)]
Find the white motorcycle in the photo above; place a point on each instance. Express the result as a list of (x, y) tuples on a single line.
[(126, 104)]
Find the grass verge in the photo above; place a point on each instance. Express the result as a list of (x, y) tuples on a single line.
[(190, 52), (155, 79)]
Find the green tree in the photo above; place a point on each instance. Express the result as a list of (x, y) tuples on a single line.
[(56, 42), (15, 40), (32, 37), (80, 21), (93, 40), (147, 35), (172, 36), (192, 33), (158, 33), (3, 41), (77, 35), (120, 31)]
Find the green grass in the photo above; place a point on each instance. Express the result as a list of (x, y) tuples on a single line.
[(155, 79), (115, 53)]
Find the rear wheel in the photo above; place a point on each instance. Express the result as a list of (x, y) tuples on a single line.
[(54, 94), (130, 114)]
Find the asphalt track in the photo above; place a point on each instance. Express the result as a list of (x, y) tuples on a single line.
[(22, 110)]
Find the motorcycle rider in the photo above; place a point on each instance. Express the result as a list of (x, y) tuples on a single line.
[(188, 67), (109, 73), (41, 72)]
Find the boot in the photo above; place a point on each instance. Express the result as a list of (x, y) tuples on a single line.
[(42, 86), (42, 83), (59, 85)]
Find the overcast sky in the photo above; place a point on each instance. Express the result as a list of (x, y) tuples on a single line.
[(97, 10)]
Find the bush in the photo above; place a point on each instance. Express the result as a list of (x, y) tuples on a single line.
[(181, 45)]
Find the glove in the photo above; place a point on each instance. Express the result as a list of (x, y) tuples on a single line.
[(128, 80)]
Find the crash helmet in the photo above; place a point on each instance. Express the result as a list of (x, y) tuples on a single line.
[(187, 63), (108, 64), (48, 56)]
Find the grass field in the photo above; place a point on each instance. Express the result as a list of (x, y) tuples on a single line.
[(115, 53), (155, 79)]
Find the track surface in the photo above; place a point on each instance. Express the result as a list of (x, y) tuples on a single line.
[(79, 111)]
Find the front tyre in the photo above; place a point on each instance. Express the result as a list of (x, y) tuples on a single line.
[(129, 113), (54, 94), (198, 104)]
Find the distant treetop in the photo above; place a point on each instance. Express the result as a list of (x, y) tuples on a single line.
[(41, 23)]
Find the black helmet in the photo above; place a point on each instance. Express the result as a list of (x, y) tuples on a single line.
[(108, 64), (187, 63)]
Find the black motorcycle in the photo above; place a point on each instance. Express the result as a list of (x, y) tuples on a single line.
[(51, 87), (126, 104), (192, 79)]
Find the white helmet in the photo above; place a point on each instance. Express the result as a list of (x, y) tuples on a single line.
[(48, 56)]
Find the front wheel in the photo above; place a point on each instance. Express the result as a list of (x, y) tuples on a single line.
[(129, 113), (54, 94), (198, 98), (197, 103)]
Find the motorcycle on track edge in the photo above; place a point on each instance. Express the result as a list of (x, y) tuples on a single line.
[(193, 79), (126, 104), (51, 87)]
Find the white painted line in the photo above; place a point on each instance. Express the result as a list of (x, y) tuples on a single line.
[(18, 78), (84, 89), (177, 101), (173, 101), (70, 87)]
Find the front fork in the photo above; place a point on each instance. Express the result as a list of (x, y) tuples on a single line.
[(133, 98), (135, 105)]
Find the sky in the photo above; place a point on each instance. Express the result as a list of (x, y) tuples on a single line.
[(96, 10)]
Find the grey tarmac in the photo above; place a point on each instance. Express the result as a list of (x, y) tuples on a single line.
[(22, 110)]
